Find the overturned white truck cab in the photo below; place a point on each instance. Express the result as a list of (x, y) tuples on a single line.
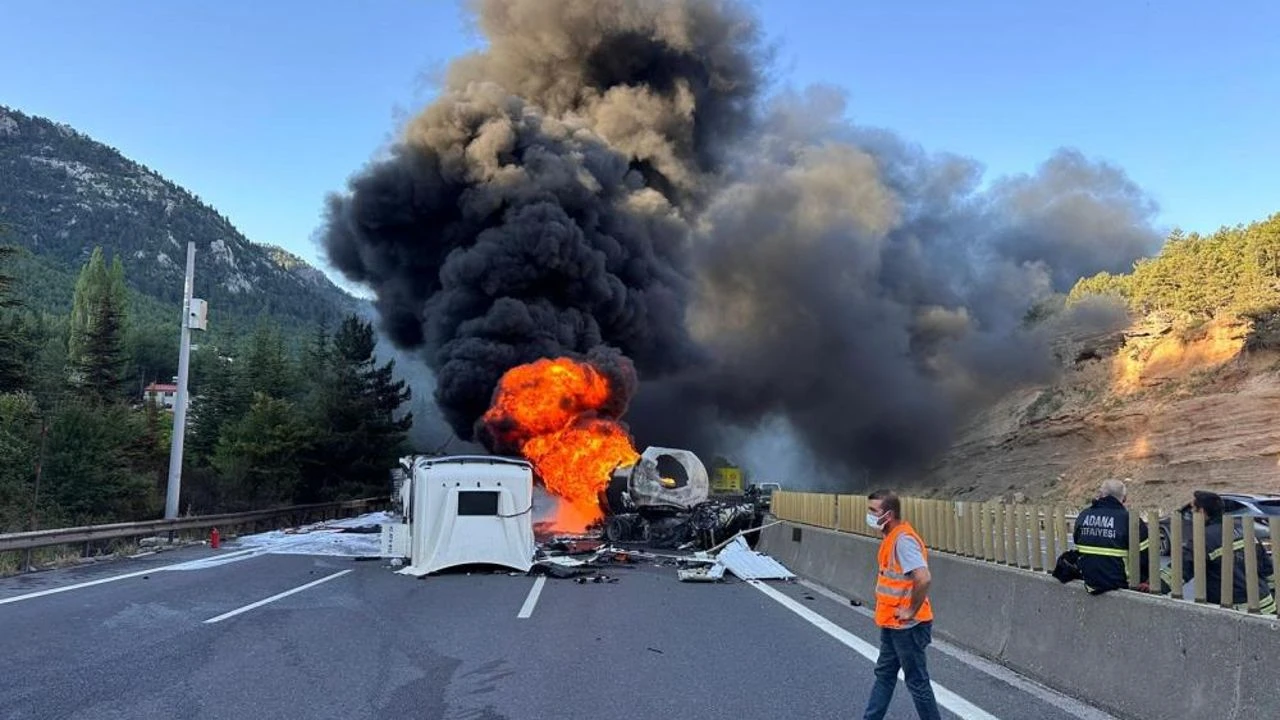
[(463, 510)]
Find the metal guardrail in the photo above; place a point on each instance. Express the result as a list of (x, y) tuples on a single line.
[(1031, 537), (92, 533)]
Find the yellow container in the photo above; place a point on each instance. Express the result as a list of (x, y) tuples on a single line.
[(726, 479)]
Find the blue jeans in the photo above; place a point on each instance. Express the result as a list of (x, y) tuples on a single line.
[(903, 649)]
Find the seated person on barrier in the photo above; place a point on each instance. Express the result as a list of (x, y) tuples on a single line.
[(1211, 504), (1102, 538)]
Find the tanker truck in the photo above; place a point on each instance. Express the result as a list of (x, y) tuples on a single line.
[(663, 500)]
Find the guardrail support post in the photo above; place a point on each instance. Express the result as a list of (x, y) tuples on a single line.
[(1199, 557), (1252, 596), (1153, 550), (1135, 569), (1226, 591)]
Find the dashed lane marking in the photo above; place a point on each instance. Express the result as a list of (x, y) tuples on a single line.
[(526, 610), (276, 597)]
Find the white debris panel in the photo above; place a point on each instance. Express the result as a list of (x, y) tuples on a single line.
[(748, 564), (738, 558)]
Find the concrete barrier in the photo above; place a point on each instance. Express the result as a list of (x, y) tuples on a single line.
[(1134, 655)]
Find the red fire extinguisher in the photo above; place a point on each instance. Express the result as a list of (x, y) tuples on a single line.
[(213, 538)]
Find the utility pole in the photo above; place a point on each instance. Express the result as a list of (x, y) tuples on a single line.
[(193, 316)]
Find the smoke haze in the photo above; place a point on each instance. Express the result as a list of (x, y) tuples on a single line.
[(607, 174)]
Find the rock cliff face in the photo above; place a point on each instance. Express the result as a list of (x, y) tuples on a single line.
[(1172, 410)]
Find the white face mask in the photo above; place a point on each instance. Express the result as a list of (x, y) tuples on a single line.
[(873, 520)]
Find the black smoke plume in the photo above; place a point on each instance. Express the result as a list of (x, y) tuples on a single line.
[(539, 206), (605, 174), (873, 295)]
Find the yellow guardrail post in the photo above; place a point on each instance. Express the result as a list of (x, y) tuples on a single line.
[(1199, 559), (1175, 555), (1227, 588), (1135, 570), (1153, 550), (1250, 565), (1010, 536), (1019, 543), (975, 528), (999, 539), (949, 520), (988, 522), (1037, 537)]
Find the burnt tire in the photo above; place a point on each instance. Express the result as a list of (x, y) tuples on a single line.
[(617, 529)]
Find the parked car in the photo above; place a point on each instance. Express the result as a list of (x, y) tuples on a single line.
[(1259, 507)]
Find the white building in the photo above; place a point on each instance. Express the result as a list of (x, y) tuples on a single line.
[(163, 394)]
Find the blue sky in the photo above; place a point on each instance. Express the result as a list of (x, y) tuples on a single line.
[(261, 108)]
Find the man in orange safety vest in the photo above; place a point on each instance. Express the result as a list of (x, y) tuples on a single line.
[(903, 611)]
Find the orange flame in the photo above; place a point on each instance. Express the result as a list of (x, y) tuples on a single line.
[(550, 412)]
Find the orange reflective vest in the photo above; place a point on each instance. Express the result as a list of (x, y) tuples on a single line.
[(893, 587)]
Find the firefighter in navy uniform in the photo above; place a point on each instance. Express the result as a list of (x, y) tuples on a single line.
[(1102, 537), (1211, 504)]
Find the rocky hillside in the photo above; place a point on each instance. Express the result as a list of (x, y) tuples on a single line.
[(1173, 409), (63, 193)]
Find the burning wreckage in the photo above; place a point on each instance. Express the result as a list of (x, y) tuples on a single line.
[(663, 501), (469, 510)]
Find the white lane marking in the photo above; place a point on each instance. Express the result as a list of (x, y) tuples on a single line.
[(945, 697), (113, 578), (275, 597), (1065, 703), (527, 609)]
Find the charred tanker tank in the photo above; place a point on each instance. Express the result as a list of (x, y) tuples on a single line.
[(663, 500)]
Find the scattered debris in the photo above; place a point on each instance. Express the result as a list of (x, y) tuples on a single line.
[(712, 573), (554, 559), (748, 564), (362, 529)]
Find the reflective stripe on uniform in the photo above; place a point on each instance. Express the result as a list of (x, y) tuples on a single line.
[(896, 592), (1106, 552), (1237, 546)]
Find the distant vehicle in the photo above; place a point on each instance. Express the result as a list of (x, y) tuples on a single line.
[(1259, 507), (762, 493)]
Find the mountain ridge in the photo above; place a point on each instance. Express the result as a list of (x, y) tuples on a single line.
[(66, 193)]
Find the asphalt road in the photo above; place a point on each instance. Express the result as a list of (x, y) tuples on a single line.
[(368, 643)]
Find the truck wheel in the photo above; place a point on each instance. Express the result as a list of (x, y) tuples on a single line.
[(617, 529)]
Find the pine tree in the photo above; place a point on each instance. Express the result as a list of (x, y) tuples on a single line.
[(19, 444), (14, 353), (267, 367), (92, 474), (8, 298), (102, 353), (95, 345), (260, 455), (359, 436)]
